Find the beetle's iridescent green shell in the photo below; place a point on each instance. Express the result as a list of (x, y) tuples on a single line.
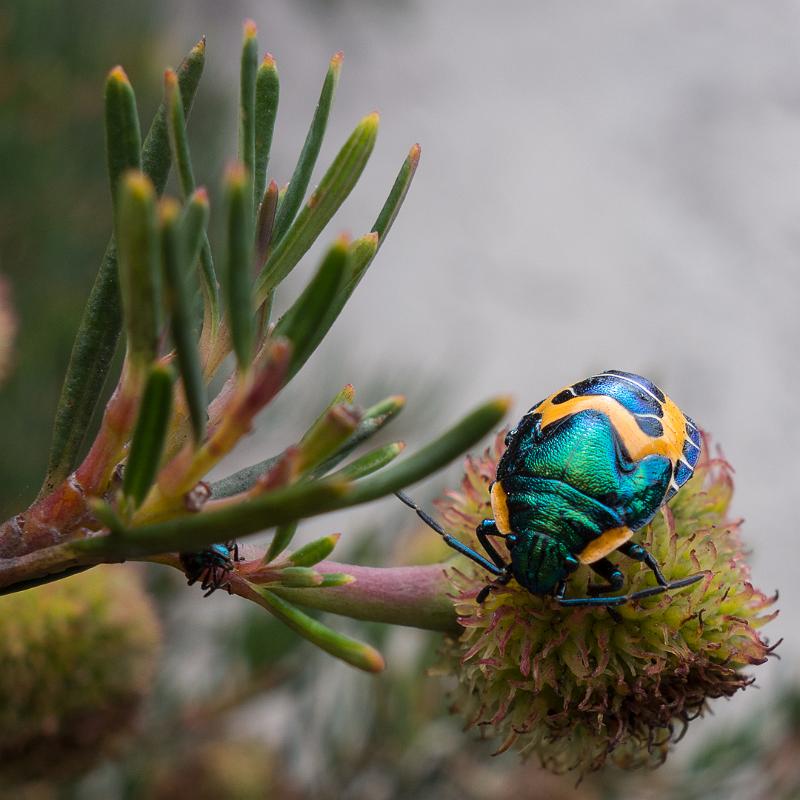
[(594, 462)]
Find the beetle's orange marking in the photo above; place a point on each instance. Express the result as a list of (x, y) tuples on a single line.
[(601, 546), (636, 441), (500, 508)]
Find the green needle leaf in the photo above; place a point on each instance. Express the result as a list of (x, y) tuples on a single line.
[(179, 146), (265, 223), (267, 94), (193, 225), (314, 552), (358, 654), (300, 577), (280, 541), (303, 323), (370, 462), (362, 251), (176, 125), (123, 137), (243, 479), (237, 274), (332, 191), (156, 156), (247, 102), (137, 235), (178, 285), (397, 194), (99, 329), (147, 444), (301, 176)]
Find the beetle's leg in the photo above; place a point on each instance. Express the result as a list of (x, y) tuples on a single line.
[(620, 600), (639, 553), (450, 540), (233, 546), (491, 587), (488, 528), (605, 569)]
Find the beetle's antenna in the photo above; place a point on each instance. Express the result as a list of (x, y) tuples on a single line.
[(425, 517), (450, 540)]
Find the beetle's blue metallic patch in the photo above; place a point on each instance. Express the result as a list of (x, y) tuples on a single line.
[(630, 395), (691, 452), (682, 473), (639, 381), (651, 426)]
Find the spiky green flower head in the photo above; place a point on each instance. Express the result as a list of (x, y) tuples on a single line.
[(77, 658), (576, 688)]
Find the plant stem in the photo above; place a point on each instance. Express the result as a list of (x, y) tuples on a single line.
[(416, 597)]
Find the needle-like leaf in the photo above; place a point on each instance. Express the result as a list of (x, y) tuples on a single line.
[(148, 436), (179, 290), (316, 551), (267, 94), (247, 102), (137, 234), (308, 155), (303, 323), (123, 137), (337, 644), (237, 275)]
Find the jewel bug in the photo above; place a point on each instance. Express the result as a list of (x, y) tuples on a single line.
[(582, 471), (212, 566)]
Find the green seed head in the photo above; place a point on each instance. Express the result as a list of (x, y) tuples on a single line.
[(574, 687)]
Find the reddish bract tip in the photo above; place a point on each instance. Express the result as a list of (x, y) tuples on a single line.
[(336, 60), (349, 392), (170, 78), (200, 195), (343, 240), (414, 154), (250, 29), (268, 61), (373, 660)]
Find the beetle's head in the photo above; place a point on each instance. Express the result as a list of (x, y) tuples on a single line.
[(540, 563)]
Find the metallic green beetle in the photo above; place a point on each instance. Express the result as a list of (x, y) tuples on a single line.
[(582, 471)]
